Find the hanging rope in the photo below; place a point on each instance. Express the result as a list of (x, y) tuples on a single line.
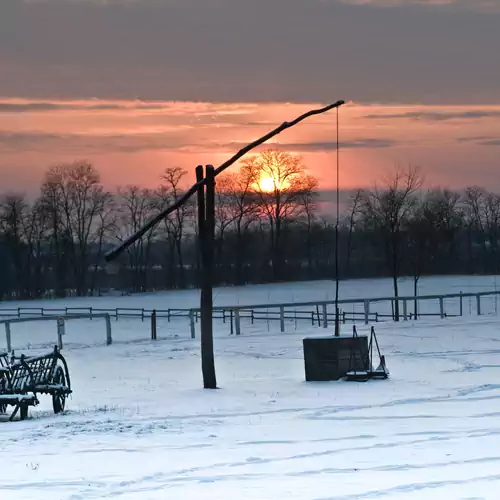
[(337, 314)]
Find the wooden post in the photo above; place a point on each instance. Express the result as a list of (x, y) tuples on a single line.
[(206, 225), (8, 338), (192, 324), (325, 317), (231, 319), (282, 319), (405, 310), (109, 338), (60, 332), (478, 299), (237, 322), (367, 311), (461, 304), (153, 325), (441, 307)]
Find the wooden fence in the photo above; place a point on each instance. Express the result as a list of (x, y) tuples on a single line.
[(316, 313)]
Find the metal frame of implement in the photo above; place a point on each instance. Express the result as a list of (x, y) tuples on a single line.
[(356, 375), (23, 378)]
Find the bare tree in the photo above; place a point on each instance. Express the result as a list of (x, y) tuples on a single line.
[(236, 210), (482, 214), (177, 223), (308, 200), (35, 226), (386, 212), (278, 180), (13, 210), (75, 198), (354, 210), (134, 206)]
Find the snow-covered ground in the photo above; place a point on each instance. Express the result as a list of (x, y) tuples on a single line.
[(139, 426)]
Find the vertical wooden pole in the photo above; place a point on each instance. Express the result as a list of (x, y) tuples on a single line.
[(367, 311), (109, 338), (237, 322), (206, 225), (153, 325), (60, 332), (192, 325), (8, 337)]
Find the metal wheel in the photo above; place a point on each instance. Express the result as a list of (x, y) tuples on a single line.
[(59, 397)]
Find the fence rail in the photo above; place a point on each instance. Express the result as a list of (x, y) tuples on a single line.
[(317, 313), (61, 325)]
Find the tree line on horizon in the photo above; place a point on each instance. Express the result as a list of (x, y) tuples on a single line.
[(269, 228)]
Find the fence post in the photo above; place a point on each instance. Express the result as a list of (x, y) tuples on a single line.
[(191, 324), (325, 317), (405, 310), (231, 321), (109, 338), (60, 332), (90, 312), (153, 324), (282, 319), (478, 298), (237, 321), (8, 337), (142, 314), (441, 307), (367, 311), (461, 304)]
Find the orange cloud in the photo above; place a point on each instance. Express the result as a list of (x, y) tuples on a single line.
[(133, 141)]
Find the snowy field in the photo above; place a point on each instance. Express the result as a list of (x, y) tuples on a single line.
[(139, 426)]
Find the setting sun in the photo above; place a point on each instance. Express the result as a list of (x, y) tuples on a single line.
[(267, 184)]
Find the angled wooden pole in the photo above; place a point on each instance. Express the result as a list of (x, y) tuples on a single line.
[(206, 223), (115, 252)]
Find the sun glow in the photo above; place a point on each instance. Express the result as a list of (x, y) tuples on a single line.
[(267, 184)]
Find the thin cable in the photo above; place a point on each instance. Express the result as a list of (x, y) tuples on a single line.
[(337, 318)]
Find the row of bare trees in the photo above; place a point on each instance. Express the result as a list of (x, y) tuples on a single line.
[(269, 227)]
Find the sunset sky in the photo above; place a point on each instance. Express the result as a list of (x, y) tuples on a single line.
[(135, 86)]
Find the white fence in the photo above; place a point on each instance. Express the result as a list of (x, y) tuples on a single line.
[(316, 313), (61, 325)]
